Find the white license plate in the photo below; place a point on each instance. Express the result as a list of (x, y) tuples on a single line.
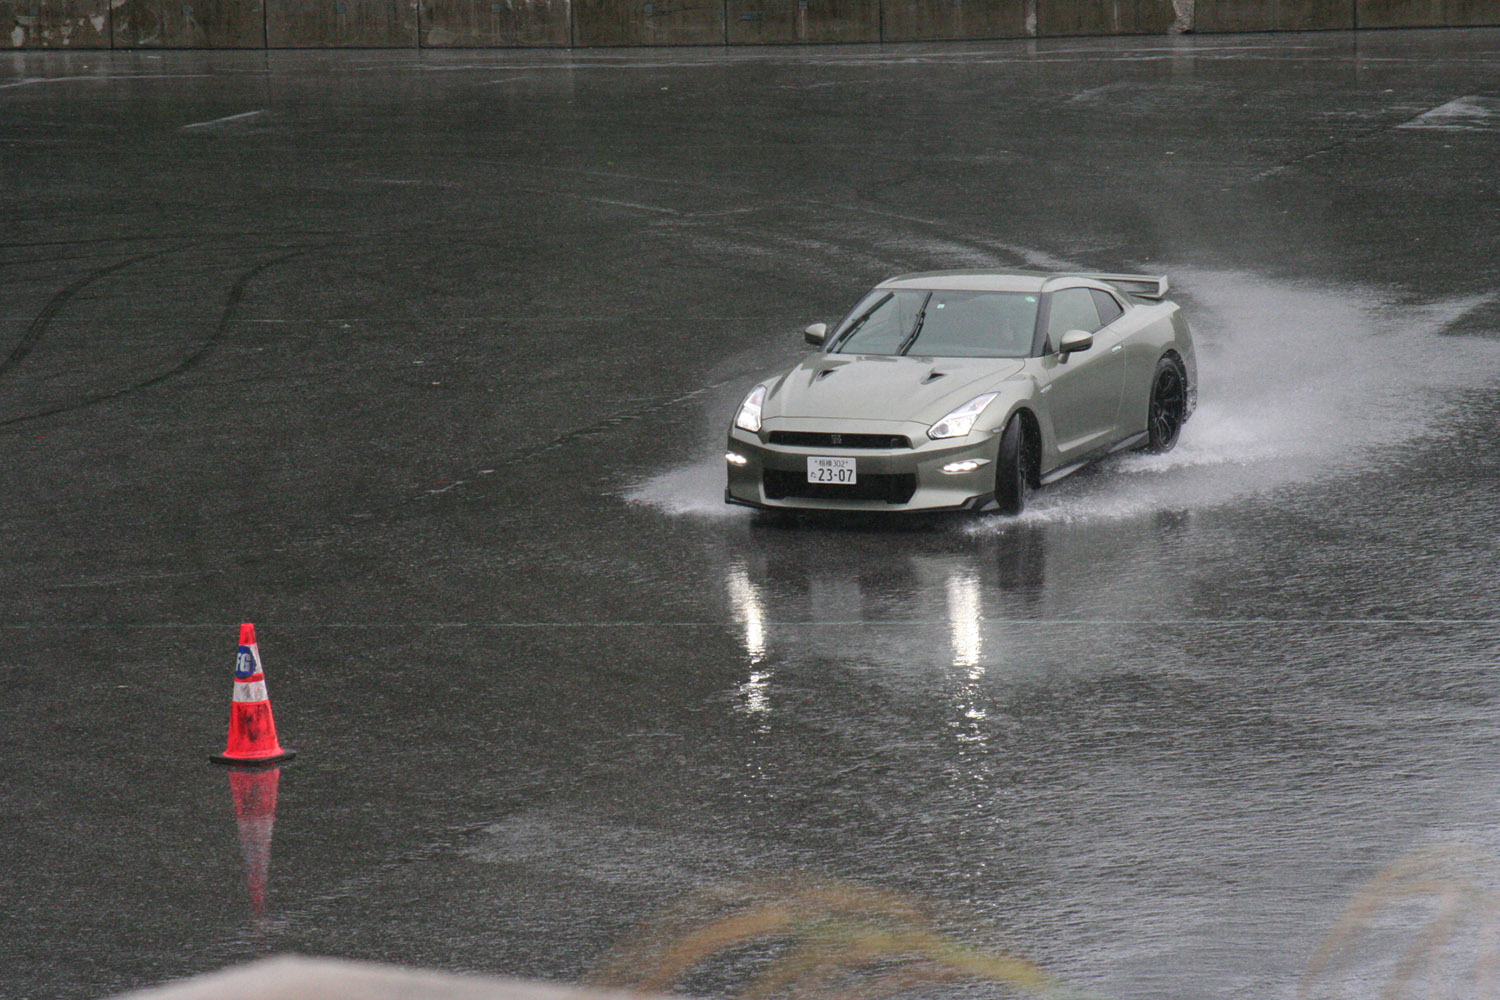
[(834, 471)]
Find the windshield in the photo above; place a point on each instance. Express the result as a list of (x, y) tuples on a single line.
[(945, 324)]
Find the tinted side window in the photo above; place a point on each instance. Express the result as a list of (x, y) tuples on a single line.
[(1071, 309), (1109, 309)]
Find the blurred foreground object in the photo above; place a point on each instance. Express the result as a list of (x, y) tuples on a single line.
[(798, 937), (292, 977), (1428, 925)]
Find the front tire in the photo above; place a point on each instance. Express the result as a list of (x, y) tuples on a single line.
[(1013, 468), (1168, 407)]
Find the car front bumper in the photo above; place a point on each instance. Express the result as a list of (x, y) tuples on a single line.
[(774, 475)]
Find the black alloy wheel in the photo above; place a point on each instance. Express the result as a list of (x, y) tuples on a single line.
[(1013, 468), (1168, 406)]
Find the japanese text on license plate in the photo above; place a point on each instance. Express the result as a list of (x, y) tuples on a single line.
[(830, 471)]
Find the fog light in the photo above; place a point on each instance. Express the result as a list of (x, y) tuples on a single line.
[(967, 465), (736, 459)]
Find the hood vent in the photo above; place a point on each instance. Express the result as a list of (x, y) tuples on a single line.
[(933, 377), (824, 374)]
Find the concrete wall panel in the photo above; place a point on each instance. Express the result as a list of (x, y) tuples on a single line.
[(481, 23), (54, 24), (134, 24), (756, 22), (648, 22), (331, 24), (1428, 13), (1104, 17), (934, 20), (1273, 15), (1472, 13), (190, 24)]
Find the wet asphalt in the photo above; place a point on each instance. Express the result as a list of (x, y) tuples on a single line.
[(422, 363)]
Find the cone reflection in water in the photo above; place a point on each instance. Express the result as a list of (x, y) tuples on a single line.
[(254, 795)]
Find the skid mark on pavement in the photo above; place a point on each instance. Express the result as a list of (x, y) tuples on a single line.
[(43, 319), (226, 317)]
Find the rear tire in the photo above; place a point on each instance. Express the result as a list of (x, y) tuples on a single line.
[(1013, 468), (1168, 406)]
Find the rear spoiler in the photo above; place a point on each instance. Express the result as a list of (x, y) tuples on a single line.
[(1146, 286)]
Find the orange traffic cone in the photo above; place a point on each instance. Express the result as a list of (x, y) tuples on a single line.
[(252, 731), (254, 793)]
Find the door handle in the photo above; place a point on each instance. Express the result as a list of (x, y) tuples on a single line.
[(1117, 347)]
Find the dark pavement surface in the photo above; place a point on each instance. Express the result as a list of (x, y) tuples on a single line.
[(422, 363)]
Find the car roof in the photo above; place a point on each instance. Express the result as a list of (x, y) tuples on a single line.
[(974, 281)]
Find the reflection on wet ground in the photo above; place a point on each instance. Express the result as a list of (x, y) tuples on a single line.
[(800, 937), (425, 367), (254, 793), (1427, 923), (1423, 927)]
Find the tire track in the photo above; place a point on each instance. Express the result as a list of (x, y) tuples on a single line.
[(226, 317), (43, 319)]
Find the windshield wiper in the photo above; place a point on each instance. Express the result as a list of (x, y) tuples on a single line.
[(916, 330), (854, 327)]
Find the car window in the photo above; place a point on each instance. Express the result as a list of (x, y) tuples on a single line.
[(1109, 309), (977, 325), (1071, 309), (955, 324), (879, 324)]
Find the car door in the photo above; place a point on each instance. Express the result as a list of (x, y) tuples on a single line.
[(1081, 391)]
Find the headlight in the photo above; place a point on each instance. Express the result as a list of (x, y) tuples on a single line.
[(749, 416), (960, 421)]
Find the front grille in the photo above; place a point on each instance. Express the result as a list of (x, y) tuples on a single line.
[(794, 485), (818, 439)]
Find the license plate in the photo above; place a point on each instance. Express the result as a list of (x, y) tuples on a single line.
[(834, 471)]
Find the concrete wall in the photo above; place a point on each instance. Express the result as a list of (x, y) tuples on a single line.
[(648, 22), (493, 23), (55, 24), (1427, 13), (1104, 17), (327, 24), (1273, 15), (189, 24), (133, 24), (757, 22), (942, 20)]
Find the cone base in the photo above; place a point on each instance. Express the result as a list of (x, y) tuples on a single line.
[(219, 758)]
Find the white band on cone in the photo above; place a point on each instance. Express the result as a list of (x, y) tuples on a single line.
[(250, 691)]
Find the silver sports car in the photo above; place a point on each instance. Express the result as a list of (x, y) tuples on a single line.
[(965, 390)]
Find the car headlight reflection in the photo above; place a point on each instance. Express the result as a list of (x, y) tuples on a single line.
[(748, 418), (959, 422)]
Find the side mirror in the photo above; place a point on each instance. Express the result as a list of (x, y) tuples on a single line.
[(1074, 341), (816, 334)]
